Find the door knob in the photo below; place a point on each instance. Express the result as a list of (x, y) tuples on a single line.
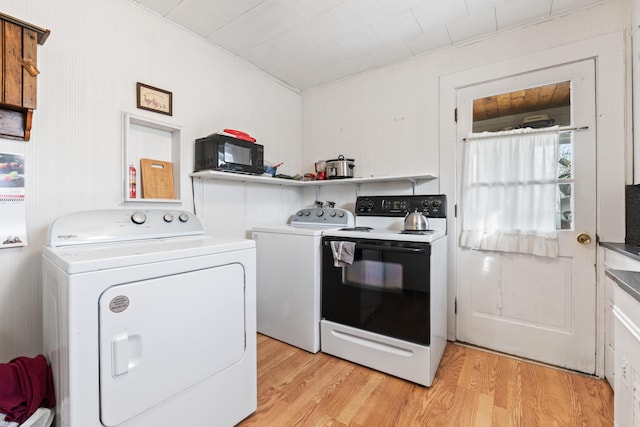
[(583, 239)]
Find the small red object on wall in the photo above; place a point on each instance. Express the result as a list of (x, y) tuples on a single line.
[(132, 181)]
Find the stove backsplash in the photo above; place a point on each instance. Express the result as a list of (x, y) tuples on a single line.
[(632, 215)]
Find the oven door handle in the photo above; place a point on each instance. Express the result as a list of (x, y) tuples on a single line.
[(392, 249), (387, 248)]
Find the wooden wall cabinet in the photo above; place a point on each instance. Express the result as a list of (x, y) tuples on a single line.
[(18, 75)]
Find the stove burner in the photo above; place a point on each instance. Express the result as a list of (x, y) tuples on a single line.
[(417, 232), (356, 229)]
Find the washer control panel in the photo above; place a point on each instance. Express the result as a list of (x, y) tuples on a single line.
[(323, 216), (116, 225)]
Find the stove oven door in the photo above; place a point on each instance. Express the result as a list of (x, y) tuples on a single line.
[(385, 290)]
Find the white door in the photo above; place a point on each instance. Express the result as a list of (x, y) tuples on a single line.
[(159, 337), (537, 307)]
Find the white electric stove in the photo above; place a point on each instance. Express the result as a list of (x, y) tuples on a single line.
[(384, 305)]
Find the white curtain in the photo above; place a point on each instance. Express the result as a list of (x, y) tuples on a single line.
[(509, 192)]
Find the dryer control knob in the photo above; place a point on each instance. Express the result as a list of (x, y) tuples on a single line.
[(138, 217), (183, 217), (167, 217)]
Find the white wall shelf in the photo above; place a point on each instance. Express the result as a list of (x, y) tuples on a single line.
[(147, 138), (229, 176)]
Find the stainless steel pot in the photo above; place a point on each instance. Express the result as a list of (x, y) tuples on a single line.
[(416, 221), (340, 168)]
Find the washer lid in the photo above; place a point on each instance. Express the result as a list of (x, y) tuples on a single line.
[(301, 230), (105, 256)]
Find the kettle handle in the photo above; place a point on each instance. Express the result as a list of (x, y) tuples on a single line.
[(340, 157)]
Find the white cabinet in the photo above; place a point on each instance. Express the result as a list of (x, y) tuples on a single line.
[(609, 341), (616, 261), (622, 335), (626, 313)]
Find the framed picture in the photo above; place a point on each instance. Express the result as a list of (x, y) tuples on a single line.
[(154, 99)]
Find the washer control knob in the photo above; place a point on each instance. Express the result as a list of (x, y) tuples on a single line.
[(167, 217), (138, 217), (183, 217)]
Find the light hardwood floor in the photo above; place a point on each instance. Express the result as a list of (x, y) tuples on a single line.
[(472, 388)]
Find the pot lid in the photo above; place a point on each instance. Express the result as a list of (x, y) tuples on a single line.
[(340, 159)]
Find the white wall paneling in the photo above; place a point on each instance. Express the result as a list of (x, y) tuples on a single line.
[(398, 118), (89, 67), (388, 120)]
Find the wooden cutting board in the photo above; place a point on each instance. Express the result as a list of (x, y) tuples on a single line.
[(157, 179)]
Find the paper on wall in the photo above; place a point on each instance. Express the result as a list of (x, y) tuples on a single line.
[(13, 225)]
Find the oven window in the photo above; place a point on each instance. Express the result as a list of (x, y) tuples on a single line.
[(385, 290), (374, 274)]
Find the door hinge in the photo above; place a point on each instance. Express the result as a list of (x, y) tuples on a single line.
[(455, 115)]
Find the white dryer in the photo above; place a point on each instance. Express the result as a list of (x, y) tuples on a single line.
[(288, 275), (147, 321)]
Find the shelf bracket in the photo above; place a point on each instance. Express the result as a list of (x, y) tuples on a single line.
[(413, 185)]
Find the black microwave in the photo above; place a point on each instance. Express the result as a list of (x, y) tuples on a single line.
[(226, 153)]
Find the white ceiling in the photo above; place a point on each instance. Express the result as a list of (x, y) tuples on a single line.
[(306, 43)]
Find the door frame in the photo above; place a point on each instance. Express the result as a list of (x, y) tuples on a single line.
[(613, 113)]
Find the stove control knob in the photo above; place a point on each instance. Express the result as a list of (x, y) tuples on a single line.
[(300, 213), (333, 214), (307, 213), (341, 214), (167, 217), (183, 217), (320, 212), (138, 218)]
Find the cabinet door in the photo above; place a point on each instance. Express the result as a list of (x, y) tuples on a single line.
[(609, 341), (18, 85), (626, 313)]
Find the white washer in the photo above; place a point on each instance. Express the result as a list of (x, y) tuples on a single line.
[(147, 321), (288, 275)]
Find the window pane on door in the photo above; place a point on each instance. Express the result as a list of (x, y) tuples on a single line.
[(535, 107), (564, 192)]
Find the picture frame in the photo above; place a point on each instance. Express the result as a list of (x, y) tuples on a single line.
[(154, 99)]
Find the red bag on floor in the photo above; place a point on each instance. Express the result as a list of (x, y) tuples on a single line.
[(25, 385)]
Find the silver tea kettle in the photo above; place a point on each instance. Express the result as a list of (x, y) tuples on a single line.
[(416, 221)]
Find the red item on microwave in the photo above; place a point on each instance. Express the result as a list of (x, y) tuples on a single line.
[(240, 135)]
